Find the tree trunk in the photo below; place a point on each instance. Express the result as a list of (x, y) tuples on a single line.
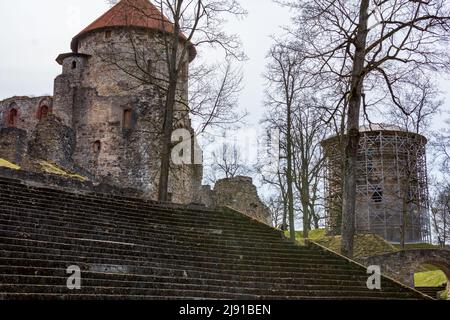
[(351, 150), (166, 141), (289, 177), (306, 221)]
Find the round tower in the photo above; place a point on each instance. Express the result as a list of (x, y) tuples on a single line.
[(111, 92), (392, 187)]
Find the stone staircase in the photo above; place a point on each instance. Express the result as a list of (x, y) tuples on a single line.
[(432, 291), (132, 249)]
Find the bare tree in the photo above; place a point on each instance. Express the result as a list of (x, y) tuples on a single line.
[(308, 157), (213, 96), (299, 117), (440, 214), (422, 106), (184, 26), (283, 75), (375, 46), (441, 145)]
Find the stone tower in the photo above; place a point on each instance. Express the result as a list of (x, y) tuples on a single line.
[(110, 93), (392, 184)]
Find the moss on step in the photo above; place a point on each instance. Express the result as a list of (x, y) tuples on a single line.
[(418, 246), (6, 164), (435, 278), (365, 244), (53, 169)]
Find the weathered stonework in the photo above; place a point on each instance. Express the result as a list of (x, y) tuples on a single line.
[(28, 112), (238, 193), (13, 144), (52, 140)]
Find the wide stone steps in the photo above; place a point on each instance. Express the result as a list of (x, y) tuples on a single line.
[(281, 283), (133, 249), (131, 209), (104, 215), (131, 255), (126, 215), (176, 275), (86, 245)]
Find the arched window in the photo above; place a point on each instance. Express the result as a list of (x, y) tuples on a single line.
[(96, 147), (13, 116), (127, 119), (43, 112), (74, 65)]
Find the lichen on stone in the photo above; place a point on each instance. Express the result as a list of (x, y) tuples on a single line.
[(6, 164), (53, 169)]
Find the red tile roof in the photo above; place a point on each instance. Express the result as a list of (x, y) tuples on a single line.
[(134, 13)]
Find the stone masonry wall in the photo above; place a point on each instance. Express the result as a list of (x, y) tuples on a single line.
[(13, 145), (240, 194), (28, 111), (94, 97)]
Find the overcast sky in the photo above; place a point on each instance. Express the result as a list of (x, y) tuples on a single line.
[(33, 33)]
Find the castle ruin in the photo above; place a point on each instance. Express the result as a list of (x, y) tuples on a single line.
[(104, 120)]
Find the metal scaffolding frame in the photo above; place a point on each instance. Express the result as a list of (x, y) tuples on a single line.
[(391, 185)]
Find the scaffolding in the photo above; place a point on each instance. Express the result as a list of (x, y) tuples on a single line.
[(392, 186)]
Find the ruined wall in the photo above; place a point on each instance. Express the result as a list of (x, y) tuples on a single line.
[(240, 194), (28, 112), (52, 140)]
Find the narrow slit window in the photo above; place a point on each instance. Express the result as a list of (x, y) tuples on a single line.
[(74, 65), (96, 147), (13, 117), (107, 34), (127, 119)]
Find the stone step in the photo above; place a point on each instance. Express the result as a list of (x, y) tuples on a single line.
[(188, 262), (124, 217), (179, 276), (133, 249), (139, 211), (44, 274), (130, 241), (186, 291), (149, 268), (193, 284), (71, 244), (40, 220), (169, 254)]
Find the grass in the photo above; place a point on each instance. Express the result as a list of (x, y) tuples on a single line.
[(6, 164)]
